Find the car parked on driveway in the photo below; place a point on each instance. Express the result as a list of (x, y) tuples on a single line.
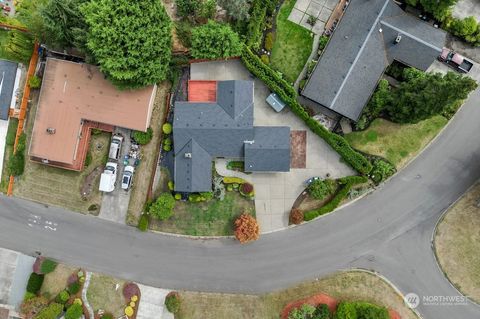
[(108, 178), (115, 147), (127, 177)]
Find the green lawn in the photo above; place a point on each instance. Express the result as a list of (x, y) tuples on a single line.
[(293, 44), (103, 294), (212, 218), (398, 143)]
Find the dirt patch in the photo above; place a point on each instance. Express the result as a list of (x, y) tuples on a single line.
[(457, 243), (298, 149), (89, 182), (314, 301)]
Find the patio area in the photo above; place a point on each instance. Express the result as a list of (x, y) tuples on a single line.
[(275, 193), (320, 10)]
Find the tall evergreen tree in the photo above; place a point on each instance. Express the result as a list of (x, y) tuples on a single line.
[(130, 40), (214, 40)]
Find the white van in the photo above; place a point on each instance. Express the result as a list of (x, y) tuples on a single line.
[(115, 147), (108, 178)]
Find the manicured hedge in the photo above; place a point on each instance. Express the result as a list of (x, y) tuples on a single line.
[(35, 282), (74, 288), (47, 266), (75, 311), (346, 183), (288, 94)]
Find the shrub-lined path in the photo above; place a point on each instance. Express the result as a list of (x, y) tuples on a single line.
[(389, 231)]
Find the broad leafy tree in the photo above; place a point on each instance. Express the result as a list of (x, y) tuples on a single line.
[(439, 8), (64, 24), (214, 40), (130, 40), (28, 13), (187, 8), (237, 9)]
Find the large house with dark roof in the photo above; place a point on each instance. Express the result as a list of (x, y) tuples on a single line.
[(218, 123), (371, 34)]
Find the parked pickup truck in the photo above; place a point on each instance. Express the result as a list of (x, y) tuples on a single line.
[(108, 178), (455, 60)]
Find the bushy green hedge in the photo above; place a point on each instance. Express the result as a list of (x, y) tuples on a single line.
[(360, 310), (172, 302), (74, 288), (35, 282), (143, 138), (256, 24), (75, 311), (62, 297), (52, 311), (467, 29), (346, 183), (288, 94)]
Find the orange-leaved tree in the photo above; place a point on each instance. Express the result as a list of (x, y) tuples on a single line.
[(246, 228)]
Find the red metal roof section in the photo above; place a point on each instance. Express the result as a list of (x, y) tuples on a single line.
[(202, 91)]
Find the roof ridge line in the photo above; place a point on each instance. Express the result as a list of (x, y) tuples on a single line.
[(410, 36), (359, 52)]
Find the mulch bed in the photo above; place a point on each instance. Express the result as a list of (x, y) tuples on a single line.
[(298, 149), (318, 299)]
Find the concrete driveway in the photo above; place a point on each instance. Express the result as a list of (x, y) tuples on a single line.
[(152, 303), (3, 135), (115, 204), (467, 8), (275, 193)]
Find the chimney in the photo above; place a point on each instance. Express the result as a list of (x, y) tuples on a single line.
[(50, 130)]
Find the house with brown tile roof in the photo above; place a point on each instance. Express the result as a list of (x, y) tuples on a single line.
[(75, 98)]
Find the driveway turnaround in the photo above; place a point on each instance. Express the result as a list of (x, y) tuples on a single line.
[(389, 231)]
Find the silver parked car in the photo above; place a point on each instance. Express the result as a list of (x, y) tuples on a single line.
[(127, 177)]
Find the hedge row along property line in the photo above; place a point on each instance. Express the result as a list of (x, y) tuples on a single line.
[(288, 94), (346, 183)]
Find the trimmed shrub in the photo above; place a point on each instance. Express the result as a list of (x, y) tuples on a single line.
[(172, 302), (28, 296), (35, 282), (75, 311), (62, 297), (143, 138), (265, 58), (296, 216), (143, 222), (47, 266), (246, 228), (246, 189), (52, 311), (346, 183), (233, 180), (360, 310), (107, 316), (170, 185), (167, 128), (74, 288), (323, 42), (162, 208), (35, 82), (288, 94), (322, 312), (381, 170), (178, 196), (319, 189), (269, 40), (167, 147)]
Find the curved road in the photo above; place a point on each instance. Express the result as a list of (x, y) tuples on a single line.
[(389, 231)]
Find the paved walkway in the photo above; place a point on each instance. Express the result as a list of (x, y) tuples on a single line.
[(88, 276), (152, 303), (319, 9), (275, 193)]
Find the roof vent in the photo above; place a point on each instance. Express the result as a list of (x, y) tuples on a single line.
[(188, 155), (380, 30), (249, 142), (50, 130), (397, 39)]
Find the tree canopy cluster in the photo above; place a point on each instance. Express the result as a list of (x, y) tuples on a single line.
[(215, 40)]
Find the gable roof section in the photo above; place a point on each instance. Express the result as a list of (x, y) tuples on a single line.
[(8, 72), (358, 54), (270, 151), (223, 128), (72, 92)]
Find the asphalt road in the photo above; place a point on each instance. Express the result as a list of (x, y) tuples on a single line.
[(389, 231)]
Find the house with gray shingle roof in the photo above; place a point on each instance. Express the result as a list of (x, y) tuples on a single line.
[(370, 35), (8, 78), (203, 131)]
